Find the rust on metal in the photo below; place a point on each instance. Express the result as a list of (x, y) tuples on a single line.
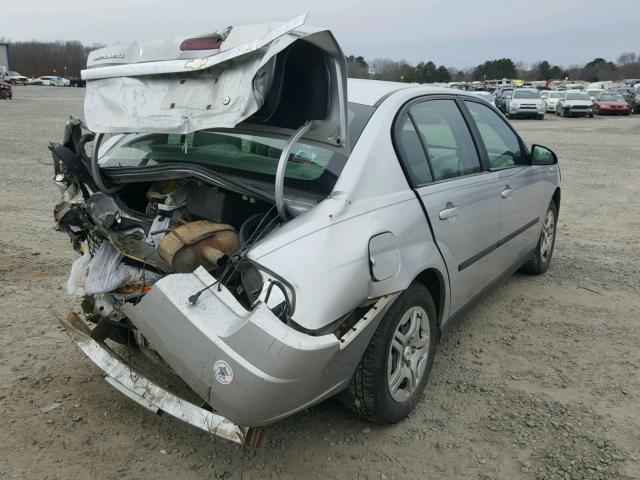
[(198, 243)]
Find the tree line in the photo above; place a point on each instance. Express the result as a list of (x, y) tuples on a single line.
[(599, 69), (35, 58), (66, 59)]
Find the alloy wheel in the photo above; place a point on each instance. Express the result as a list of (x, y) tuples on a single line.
[(546, 240), (408, 354)]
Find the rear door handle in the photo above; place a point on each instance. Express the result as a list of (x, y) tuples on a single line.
[(507, 192), (449, 212)]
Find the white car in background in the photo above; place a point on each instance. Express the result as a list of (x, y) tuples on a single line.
[(552, 100), (575, 102), (526, 102), (47, 81), (17, 79)]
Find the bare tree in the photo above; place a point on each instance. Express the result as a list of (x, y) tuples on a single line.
[(627, 58)]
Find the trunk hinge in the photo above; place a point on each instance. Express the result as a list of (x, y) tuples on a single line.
[(282, 166)]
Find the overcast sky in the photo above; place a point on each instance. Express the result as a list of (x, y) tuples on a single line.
[(460, 33)]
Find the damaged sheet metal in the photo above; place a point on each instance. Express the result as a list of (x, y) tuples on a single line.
[(219, 90), (142, 390), (195, 340)]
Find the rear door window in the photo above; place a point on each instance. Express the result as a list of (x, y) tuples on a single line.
[(450, 149)]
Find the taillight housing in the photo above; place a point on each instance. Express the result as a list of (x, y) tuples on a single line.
[(203, 43)]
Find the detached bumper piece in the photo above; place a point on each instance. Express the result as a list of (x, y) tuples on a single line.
[(149, 395)]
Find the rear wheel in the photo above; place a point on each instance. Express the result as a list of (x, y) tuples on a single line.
[(394, 369), (541, 259)]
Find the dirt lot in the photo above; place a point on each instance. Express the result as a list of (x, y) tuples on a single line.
[(540, 381)]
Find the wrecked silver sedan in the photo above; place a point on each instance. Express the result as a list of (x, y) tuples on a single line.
[(274, 234)]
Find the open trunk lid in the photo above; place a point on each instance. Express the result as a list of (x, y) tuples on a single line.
[(261, 77)]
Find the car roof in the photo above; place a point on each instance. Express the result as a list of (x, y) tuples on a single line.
[(372, 92)]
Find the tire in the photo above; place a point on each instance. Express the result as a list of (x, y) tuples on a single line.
[(369, 394), (541, 259)]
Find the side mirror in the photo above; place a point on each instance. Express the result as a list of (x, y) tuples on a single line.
[(542, 156)]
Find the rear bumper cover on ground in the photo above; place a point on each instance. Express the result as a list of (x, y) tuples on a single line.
[(143, 391)]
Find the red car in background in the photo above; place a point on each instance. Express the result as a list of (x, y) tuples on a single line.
[(611, 103)]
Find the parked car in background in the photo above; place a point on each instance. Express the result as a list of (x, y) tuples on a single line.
[(48, 81), (503, 96), (65, 82), (611, 103), (594, 92), (552, 99), (489, 97), (17, 79), (544, 94), (77, 82), (575, 103), (335, 282), (502, 101), (526, 102), (631, 96)]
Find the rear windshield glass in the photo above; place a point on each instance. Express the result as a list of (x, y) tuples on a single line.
[(555, 95), (578, 96), (310, 167), (526, 94)]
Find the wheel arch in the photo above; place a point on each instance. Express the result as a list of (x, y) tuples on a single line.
[(556, 199), (434, 281)]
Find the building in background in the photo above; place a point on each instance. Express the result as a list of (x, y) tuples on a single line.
[(4, 61)]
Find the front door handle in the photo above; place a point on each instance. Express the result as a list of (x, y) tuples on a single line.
[(449, 212), (507, 192)]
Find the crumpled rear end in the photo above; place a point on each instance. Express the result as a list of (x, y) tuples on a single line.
[(270, 369)]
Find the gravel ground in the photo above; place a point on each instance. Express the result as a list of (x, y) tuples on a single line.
[(540, 382)]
